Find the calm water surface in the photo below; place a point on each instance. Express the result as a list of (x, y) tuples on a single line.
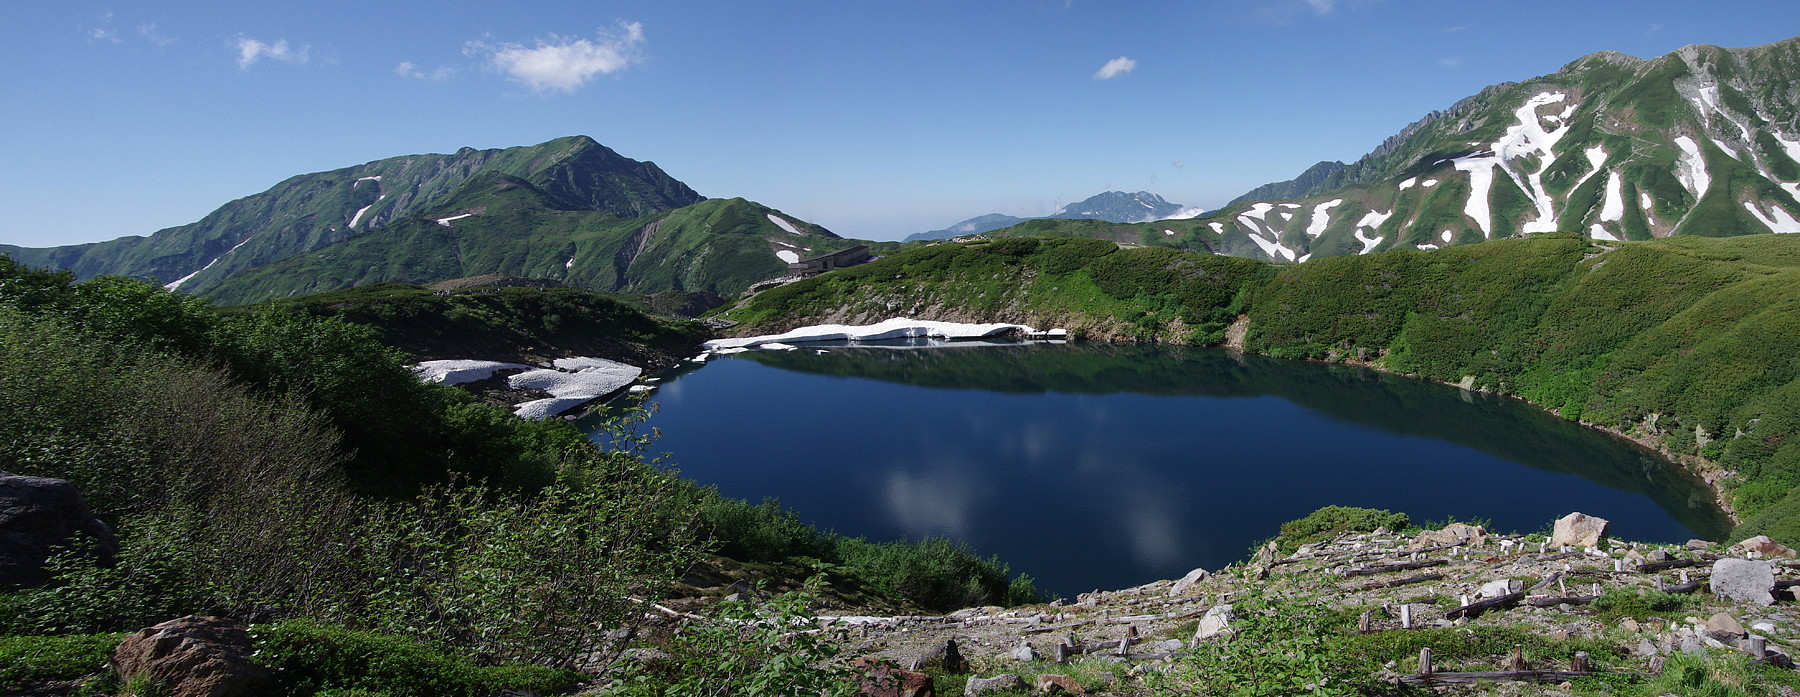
[(1103, 466)]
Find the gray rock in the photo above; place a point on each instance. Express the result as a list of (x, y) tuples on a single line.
[(1660, 555), (1645, 648), (1578, 530), (1164, 646), (1724, 628), (192, 657), (1216, 621), (1495, 589), (1692, 645), (1698, 544), (1744, 581), (1024, 653), (1763, 628), (1188, 581), (999, 683), (39, 516)]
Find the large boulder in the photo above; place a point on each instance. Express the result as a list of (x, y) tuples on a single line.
[(1216, 621), (1744, 581), (192, 657), (37, 517), (1193, 577), (1761, 544), (1578, 530)]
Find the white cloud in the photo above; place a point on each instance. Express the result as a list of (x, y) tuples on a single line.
[(251, 50), (149, 32), (1115, 67), (409, 69), (1323, 7), (101, 34), (1654, 27), (1451, 62), (565, 63)]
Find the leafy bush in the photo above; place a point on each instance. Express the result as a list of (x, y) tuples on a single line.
[(1623, 602), (25, 660), (309, 658), (1332, 520)]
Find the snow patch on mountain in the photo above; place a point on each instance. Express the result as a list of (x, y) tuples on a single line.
[(1692, 165), (1614, 207), (1367, 243), (1524, 139), (172, 285), (360, 211), (1596, 157), (1408, 184), (446, 221), (1321, 217), (1777, 219), (788, 256), (784, 224)]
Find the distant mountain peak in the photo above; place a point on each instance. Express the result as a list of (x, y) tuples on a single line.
[(1112, 206)]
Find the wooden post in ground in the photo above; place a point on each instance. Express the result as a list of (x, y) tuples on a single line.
[(1062, 653), (1125, 645), (1596, 590), (1656, 664), (1659, 583), (1563, 586), (1425, 661), (1580, 664), (1406, 616), (1684, 577), (1362, 625), (1758, 647), (1518, 658)]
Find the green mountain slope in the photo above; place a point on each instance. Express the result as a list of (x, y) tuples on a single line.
[(1684, 343), (502, 224), (1702, 141), (310, 211)]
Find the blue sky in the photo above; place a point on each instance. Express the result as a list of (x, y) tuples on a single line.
[(875, 119)]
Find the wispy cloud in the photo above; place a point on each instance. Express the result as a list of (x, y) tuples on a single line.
[(251, 50), (149, 32), (1654, 27), (1115, 67), (1323, 7), (1451, 62), (565, 63), (104, 34), (409, 69), (1283, 12)]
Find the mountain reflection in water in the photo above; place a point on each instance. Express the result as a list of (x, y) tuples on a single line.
[(1106, 466)]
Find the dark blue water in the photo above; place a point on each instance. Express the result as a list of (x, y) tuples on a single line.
[(1101, 466)]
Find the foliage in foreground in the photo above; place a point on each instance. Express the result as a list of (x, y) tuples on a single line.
[(1332, 520), (29, 660), (308, 658)]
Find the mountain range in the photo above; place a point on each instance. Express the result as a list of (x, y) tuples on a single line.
[(1114, 206), (568, 209), (1702, 141)]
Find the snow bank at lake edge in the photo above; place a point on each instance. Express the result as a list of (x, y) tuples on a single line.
[(897, 328)]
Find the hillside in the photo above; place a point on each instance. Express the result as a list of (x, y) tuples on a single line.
[(310, 211), (1704, 141), (1684, 344), (1115, 206)]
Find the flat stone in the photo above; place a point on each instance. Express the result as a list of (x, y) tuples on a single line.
[(1763, 628), (1744, 581), (1024, 653), (999, 683), (1660, 555), (1692, 645), (1051, 683), (1721, 625), (1645, 648), (1698, 544), (1495, 589), (1452, 534), (1630, 625), (1578, 530)]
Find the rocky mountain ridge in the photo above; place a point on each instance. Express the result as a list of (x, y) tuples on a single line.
[(1112, 206)]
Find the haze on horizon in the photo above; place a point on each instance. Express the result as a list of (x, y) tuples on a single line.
[(876, 121)]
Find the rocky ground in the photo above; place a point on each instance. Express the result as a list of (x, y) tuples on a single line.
[(1405, 582)]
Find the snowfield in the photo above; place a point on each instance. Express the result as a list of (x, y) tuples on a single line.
[(457, 372), (897, 328), (784, 224)]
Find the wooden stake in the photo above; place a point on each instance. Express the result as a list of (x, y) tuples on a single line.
[(1684, 576), (1562, 586), (1518, 658), (1425, 661), (1062, 653), (1362, 625), (1406, 616), (1580, 665), (1758, 649), (1125, 646)]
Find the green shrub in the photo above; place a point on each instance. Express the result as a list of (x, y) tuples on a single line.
[(1624, 602), (26, 660), (1332, 520), (309, 658)]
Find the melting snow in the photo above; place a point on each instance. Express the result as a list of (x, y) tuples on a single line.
[(359, 212), (1374, 219), (1258, 211), (570, 263), (1596, 156), (457, 372), (783, 224), (1526, 138), (1408, 184), (1599, 232), (1167, 231), (1778, 219), (1644, 200), (172, 285), (591, 379), (1728, 149), (1321, 217), (1272, 249), (1614, 207), (896, 328), (1447, 235), (1290, 205), (1427, 246), (1693, 167), (1791, 146), (360, 180), (1217, 227), (446, 221), (1792, 189), (788, 256), (1428, 183), (1709, 104), (1368, 244)]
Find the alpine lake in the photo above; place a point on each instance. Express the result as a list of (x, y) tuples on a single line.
[(1104, 466)]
